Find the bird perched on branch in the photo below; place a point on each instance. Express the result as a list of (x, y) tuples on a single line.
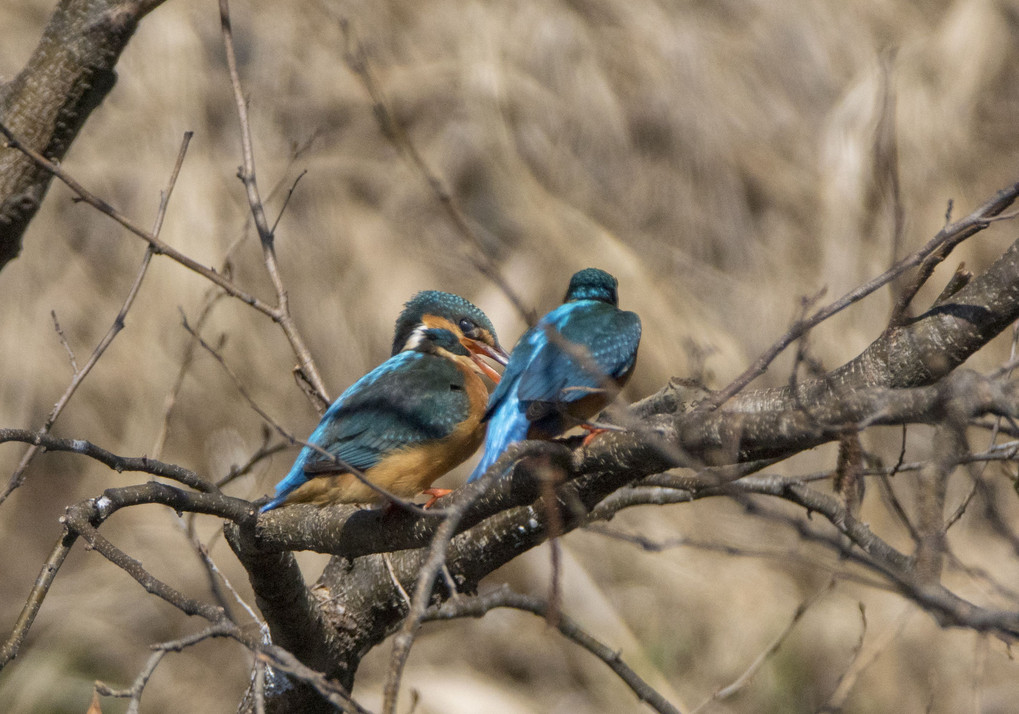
[(408, 421), (565, 369)]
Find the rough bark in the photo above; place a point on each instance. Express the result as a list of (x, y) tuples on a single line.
[(908, 375), (68, 75)]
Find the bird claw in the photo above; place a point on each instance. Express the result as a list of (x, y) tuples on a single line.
[(593, 431), (436, 494)]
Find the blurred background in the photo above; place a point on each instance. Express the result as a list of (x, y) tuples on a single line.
[(722, 159)]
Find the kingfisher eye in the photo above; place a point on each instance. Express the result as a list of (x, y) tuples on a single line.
[(468, 327)]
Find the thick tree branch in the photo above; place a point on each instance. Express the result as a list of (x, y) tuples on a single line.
[(940, 246)]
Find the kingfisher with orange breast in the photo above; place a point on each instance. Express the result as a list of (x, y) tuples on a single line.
[(565, 369), (409, 420)]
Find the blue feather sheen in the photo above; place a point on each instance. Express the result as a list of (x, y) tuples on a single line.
[(540, 371), (394, 406)]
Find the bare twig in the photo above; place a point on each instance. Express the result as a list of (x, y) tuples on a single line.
[(65, 343), (118, 324), (81, 520), (31, 608), (860, 664), (134, 693), (281, 314), (978, 474), (286, 201), (404, 639), (884, 480), (261, 454), (357, 61), (210, 300), (158, 246), (857, 648), (941, 244), (282, 661), (506, 598), (784, 556), (744, 679), (119, 464), (187, 605)]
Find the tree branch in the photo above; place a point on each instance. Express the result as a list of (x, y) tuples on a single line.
[(506, 598)]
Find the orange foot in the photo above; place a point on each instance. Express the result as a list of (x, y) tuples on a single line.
[(436, 494), (593, 431)]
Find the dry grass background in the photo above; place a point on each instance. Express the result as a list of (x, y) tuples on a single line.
[(721, 158)]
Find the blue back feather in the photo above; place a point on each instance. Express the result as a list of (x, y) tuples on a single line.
[(540, 371), (406, 400)]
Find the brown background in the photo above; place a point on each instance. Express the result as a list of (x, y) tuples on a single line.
[(723, 159)]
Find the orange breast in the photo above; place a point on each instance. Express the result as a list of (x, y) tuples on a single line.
[(408, 471)]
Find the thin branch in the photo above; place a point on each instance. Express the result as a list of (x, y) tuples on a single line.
[(81, 520), (506, 598), (212, 296), (404, 639), (151, 584), (946, 239), (860, 665), (264, 452), (282, 661), (65, 343), (946, 607), (978, 474), (281, 315), (134, 693), (884, 480), (857, 649), (357, 61), (786, 556), (214, 576), (286, 201), (744, 679), (158, 246), (118, 324), (31, 608), (119, 464)]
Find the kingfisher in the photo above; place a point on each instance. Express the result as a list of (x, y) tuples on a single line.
[(412, 418), (434, 308), (561, 371)]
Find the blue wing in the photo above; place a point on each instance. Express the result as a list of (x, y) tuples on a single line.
[(507, 421), (608, 338), (541, 373), (507, 425), (408, 399)]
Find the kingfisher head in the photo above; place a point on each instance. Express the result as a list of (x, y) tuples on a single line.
[(433, 339), (592, 284), (439, 310), (445, 343)]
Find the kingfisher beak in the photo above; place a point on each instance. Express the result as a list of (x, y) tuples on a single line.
[(485, 368), (477, 349), (480, 348)]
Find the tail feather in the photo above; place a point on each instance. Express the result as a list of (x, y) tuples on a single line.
[(274, 503), (290, 482), (508, 425)]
